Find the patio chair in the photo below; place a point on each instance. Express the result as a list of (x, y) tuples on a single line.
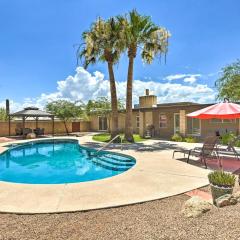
[(18, 131), (208, 150), (230, 149), (26, 131), (39, 131)]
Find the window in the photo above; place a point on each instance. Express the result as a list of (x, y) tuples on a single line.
[(217, 120), (162, 121), (193, 126), (137, 121)]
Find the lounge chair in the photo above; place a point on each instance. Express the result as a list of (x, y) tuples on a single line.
[(208, 150), (230, 150)]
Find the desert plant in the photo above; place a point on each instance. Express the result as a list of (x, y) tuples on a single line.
[(190, 139), (3, 114), (221, 183), (229, 82), (221, 179), (65, 110), (226, 138), (139, 32), (102, 42), (177, 137)]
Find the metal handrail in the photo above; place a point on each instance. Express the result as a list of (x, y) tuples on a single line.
[(101, 149)]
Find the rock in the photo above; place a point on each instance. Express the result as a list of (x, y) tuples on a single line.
[(195, 207), (237, 195), (226, 200), (31, 136)]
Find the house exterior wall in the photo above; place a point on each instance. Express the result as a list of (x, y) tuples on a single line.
[(94, 124), (209, 128), (150, 116), (168, 130)]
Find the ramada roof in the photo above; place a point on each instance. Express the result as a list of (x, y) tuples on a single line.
[(31, 112)]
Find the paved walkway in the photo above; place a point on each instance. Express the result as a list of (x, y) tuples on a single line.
[(156, 175)]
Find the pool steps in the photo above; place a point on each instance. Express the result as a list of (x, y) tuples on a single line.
[(110, 162)]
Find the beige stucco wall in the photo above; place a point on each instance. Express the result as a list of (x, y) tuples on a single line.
[(46, 124), (147, 101), (183, 122), (84, 126)]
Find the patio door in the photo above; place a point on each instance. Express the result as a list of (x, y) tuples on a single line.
[(102, 123), (176, 123)]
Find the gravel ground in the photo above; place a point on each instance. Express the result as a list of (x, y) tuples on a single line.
[(161, 219)]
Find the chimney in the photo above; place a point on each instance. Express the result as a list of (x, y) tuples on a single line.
[(7, 107), (147, 101)]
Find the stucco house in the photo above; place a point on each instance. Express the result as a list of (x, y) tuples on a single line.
[(148, 118), (163, 120)]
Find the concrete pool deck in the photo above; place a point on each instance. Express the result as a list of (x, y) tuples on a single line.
[(156, 175)]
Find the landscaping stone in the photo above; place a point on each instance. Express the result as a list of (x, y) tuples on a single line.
[(237, 196), (226, 200), (31, 136), (195, 207)]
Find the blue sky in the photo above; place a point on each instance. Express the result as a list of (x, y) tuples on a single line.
[(37, 49)]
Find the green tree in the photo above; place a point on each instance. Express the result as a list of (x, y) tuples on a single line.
[(103, 43), (65, 110), (228, 84), (3, 114), (140, 32)]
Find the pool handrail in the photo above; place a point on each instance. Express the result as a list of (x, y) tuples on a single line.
[(104, 147)]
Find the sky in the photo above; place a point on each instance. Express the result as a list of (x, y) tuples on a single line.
[(38, 40)]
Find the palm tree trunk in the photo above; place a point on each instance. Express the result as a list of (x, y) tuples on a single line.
[(128, 118), (114, 101)]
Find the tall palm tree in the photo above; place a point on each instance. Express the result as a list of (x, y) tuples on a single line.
[(103, 43), (140, 32)]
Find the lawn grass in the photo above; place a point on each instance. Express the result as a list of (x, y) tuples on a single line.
[(105, 137)]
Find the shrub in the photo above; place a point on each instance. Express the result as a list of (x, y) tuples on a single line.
[(237, 144), (190, 139), (226, 138), (221, 178), (177, 137)]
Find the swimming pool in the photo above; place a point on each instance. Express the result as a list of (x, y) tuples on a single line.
[(59, 161)]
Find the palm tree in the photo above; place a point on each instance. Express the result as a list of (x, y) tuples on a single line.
[(140, 32), (102, 43)]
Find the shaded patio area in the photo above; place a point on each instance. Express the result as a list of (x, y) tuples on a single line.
[(29, 112)]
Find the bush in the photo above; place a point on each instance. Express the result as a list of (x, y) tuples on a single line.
[(177, 137), (190, 140), (222, 179), (237, 144), (226, 138)]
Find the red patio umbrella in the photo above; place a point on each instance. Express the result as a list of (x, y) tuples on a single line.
[(225, 110)]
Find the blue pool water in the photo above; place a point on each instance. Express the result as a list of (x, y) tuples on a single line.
[(62, 161)]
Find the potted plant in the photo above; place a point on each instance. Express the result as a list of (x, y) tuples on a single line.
[(221, 183)]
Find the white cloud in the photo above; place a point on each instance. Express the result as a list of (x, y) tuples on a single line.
[(191, 79), (187, 78), (84, 86), (175, 77)]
